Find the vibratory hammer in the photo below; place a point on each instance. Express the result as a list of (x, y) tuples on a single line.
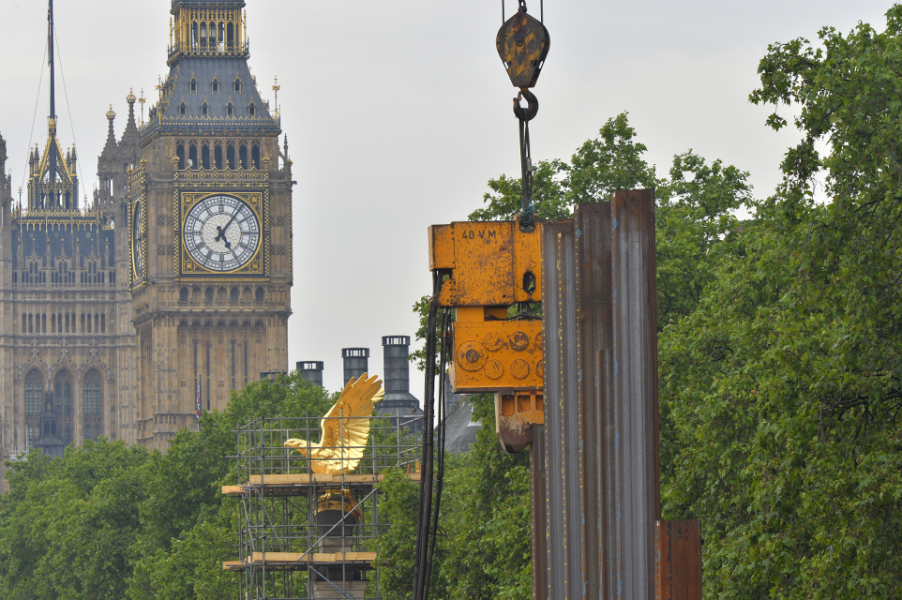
[(492, 276)]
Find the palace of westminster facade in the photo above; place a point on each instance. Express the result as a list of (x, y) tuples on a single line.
[(175, 279)]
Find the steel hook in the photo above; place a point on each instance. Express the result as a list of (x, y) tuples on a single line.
[(532, 105)]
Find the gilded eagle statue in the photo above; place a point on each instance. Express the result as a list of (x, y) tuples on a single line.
[(345, 427)]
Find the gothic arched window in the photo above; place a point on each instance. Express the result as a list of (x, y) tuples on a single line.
[(255, 156), (93, 389), (242, 156), (34, 394), (34, 400), (63, 385)]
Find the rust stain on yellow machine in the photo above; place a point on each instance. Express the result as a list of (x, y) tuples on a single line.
[(515, 413)]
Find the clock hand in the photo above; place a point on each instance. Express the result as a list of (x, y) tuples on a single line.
[(222, 231)]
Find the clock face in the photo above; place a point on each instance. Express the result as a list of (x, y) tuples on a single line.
[(222, 233), (138, 224)]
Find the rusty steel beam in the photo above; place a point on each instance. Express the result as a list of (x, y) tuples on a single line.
[(538, 507), (562, 456), (602, 495), (678, 560), (634, 442), (594, 346)]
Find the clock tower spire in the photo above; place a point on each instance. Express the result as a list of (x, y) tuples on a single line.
[(210, 219)]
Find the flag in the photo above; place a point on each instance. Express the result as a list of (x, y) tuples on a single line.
[(197, 407)]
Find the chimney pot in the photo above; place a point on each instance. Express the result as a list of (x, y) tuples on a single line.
[(312, 371), (356, 362), (395, 350)]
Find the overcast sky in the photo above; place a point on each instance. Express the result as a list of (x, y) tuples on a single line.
[(398, 113)]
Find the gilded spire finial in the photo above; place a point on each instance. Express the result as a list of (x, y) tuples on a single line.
[(111, 114), (131, 96)]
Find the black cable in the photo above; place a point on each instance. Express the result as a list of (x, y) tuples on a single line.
[(526, 173), (34, 119), (440, 469), (426, 479), (71, 122)]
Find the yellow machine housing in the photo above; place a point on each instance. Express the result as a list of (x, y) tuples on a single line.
[(491, 263), (491, 266), (493, 355)]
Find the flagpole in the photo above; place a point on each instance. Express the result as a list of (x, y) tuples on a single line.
[(197, 400), (52, 157), (50, 54)]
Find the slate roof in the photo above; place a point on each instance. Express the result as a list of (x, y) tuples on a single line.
[(460, 428), (84, 228), (399, 404), (166, 117)]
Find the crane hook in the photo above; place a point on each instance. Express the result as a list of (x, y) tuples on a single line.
[(532, 105)]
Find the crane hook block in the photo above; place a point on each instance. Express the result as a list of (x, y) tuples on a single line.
[(523, 44)]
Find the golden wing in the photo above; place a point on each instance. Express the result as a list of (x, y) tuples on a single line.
[(346, 426)]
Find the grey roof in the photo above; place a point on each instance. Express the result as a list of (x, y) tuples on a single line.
[(166, 117), (63, 234), (460, 429), (399, 404)]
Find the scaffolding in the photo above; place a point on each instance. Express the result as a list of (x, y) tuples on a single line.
[(304, 532)]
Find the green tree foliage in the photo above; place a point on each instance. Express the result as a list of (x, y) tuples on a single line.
[(199, 526), (110, 522), (67, 526), (483, 549), (784, 385)]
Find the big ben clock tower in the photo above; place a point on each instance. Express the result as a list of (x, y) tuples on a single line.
[(209, 216)]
